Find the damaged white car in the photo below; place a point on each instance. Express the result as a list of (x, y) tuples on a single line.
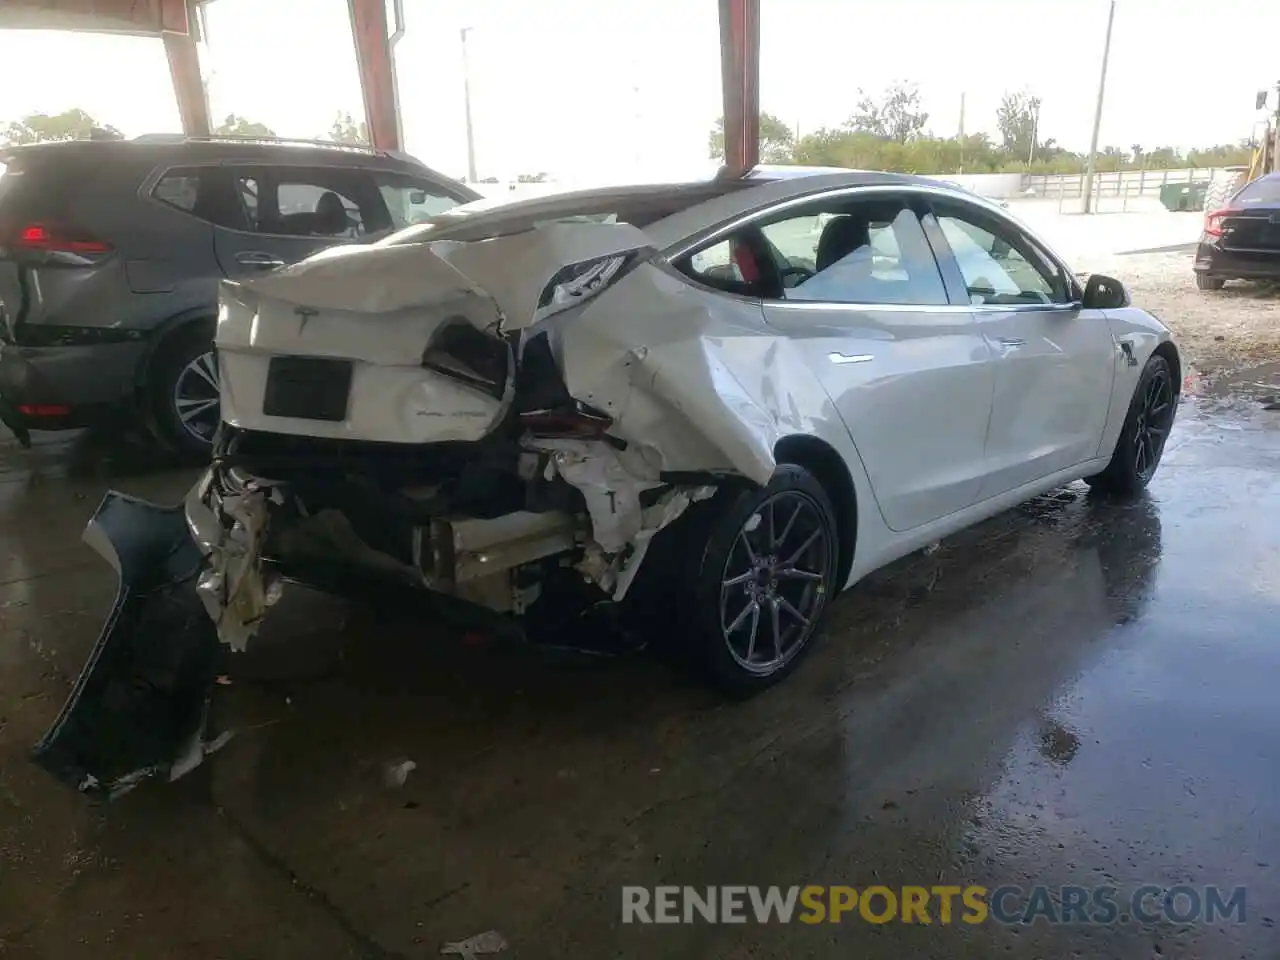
[(723, 402)]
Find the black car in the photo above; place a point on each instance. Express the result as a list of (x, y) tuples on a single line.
[(111, 252), (1242, 240)]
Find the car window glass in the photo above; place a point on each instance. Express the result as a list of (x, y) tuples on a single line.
[(410, 200), (178, 188), (1266, 190), (995, 271), (715, 261), (867, 252), (732, 265), (312, 210)]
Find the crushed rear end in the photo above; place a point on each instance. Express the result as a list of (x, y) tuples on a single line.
[(483, 419)]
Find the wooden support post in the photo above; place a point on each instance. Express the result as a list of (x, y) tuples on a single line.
[(372, 36), (740, 77)]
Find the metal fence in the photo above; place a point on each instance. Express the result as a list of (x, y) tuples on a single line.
[(1116, 188)]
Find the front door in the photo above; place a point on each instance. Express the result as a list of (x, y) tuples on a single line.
[(863, 299), (1054, 360)]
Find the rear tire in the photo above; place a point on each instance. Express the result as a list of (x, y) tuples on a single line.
[(1206, 282), (1142, 438), (183, 391), (759, 566)]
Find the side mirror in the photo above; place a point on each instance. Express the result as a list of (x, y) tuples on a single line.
[(1105, 293)]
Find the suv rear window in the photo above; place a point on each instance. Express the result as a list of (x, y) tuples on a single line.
[(1266, 190), (41, 186)]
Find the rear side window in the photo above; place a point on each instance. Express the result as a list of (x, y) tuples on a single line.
[(179, 188), (871, 252)]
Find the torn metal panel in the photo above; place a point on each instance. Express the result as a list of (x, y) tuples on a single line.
[(233, 585), (139, 708), (611, 482), (518, 269), (704, 383)]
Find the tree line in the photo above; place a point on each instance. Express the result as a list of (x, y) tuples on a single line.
[(888, 131), (76, 124)]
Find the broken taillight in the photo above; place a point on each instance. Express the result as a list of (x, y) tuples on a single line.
[(463, 353), (580, 282), (579, 422)]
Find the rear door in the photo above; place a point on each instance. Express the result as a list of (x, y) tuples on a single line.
[(863, 298), (282, 214)]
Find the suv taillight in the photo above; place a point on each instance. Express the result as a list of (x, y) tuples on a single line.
[(58, 238), (1213, 222)]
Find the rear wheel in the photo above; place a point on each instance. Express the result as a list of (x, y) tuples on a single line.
[(1206, 282), (184, 391), (1146, 428), (758, 585)]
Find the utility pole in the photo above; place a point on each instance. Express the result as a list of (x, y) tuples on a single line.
[(1035, 130), (1275, 131), (472, 176), (1097, 115)]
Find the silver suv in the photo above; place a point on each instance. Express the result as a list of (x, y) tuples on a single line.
[(111, 253)]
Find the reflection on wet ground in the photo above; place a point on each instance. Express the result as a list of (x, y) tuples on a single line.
[(1074, 693)]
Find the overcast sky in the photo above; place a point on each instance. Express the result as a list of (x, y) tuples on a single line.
[(620, 89)]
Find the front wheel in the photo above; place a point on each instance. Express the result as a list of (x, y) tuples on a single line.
[(759, 586), (1142, 438)]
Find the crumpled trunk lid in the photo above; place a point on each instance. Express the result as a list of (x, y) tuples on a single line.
[(409, 343)]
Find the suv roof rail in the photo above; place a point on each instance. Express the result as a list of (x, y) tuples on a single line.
[(231, 138)]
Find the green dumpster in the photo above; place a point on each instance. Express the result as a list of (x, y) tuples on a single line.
[(1184, 196)]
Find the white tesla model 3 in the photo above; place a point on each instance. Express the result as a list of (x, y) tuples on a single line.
[(724, 402)]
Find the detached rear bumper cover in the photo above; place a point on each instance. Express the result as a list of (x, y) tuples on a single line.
[(140, 706)]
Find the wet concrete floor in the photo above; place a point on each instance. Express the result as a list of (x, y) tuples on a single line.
[(1074, 693)]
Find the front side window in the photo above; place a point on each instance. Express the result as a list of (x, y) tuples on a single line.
[(999, 266), (410, 200), (865, 251)]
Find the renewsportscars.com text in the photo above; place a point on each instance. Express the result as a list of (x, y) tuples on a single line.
[(943, 904)]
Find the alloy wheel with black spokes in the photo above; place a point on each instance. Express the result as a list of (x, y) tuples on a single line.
[(1151, 428), (764, 579), (1142, 439)]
